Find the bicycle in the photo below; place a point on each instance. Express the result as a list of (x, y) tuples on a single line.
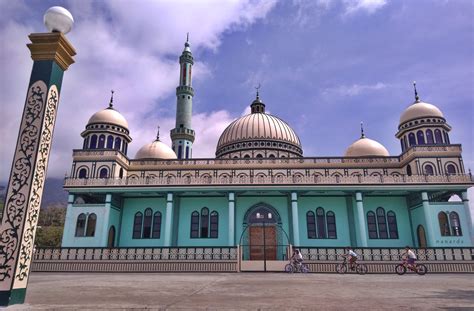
[(292, 267), (419, 268), (360, 268)]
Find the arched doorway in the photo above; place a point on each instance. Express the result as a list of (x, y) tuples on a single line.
[(420, 231), (111, 238)]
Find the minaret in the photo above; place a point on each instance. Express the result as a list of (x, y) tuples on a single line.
[(182, 136)]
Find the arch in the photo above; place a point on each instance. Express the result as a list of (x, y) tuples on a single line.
[(204, 232), (101, 143), (80, 225), (405, 142), (428, 169), (137, 225), (259, 155), (429, 137), (91, 222), (446, 137), (271, 156), (121, 173), (180, 152), (420, 137), (321, 223), (118, 143), (187, 152), (147, 220), (246, 156), (381, 223), (156, 233), (411, 139), (214, 225), (331, 225), (420, 231), (249, 216), (104, 173), (455, 224), (444, 224), (409, 172), (372, 225), (195, 224), (450, 169), (438, 137), (86, 142), (401, 144), (93, 143), (392, 225), (82, 173), (311, 225), (110, 142), (111, 237)]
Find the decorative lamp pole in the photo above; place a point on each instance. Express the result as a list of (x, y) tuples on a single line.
[(52, 54)]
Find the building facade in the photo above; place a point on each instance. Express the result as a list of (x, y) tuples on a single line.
[(261, 190)]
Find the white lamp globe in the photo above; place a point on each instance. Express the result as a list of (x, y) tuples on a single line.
[(58, 19)]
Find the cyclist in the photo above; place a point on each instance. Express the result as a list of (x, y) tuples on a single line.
[(411, 257), (352, 256), (297, 258)]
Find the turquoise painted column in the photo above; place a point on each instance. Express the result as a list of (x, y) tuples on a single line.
[(429, 223), (105, 227), (68, 222), (294, 214), (169, 220), (231, 219), (361, 220), (467, 211)]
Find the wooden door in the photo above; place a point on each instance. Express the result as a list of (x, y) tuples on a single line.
[(111, 237), (263, 243), (421, 236)]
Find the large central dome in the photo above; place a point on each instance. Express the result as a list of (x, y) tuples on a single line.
[(258, 135)]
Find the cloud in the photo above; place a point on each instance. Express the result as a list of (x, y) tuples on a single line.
[(354, 89), (366, 6), (132, 49)]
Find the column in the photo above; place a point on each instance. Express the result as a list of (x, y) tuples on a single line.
[(69, 223), (231, 219), (294, 214), (467, 211), (52, 54), (168, 220), (429, 223), (361, 220), (105, 227)]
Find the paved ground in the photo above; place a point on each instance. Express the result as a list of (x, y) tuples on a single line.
[(244, 291)]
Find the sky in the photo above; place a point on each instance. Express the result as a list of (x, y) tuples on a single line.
[(323, 66)]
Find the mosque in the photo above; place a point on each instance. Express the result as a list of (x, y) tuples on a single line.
[(260, 189)]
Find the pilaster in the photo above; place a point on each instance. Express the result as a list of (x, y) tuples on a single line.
[(361, 220), (231, 230), (429, 224), (168, 219), (467, 211), (294, 214)]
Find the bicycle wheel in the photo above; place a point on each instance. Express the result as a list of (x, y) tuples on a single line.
[(304, 268), (341, 268), (289, 268), (421, 269), (361, 269), (400, 269)]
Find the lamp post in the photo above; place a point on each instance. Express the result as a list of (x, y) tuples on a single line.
[(52, 54)]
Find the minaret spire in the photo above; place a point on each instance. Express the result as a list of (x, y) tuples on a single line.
[(158, 133), (111, 103), (362, 135), (257, 105), (417, 98)]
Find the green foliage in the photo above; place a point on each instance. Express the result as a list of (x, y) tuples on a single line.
[(49, 236), (50, 226)]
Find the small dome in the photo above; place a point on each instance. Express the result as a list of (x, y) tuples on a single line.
[(155, 150), (420, 109), (365, 147), (110, 116)]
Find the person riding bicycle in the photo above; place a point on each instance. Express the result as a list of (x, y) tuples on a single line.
[(297, 258), (352, 256), (411, 257)]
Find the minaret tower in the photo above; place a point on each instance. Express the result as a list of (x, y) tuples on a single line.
[(182, 135)]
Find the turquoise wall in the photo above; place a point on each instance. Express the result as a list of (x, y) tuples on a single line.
[(73, 211), (114, 220), (132, 206), (418, 218), (449, 241), (397, 205), (189, 204), (334, 204)]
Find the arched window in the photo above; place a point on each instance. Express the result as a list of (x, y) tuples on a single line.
[(409, 173), (195, 225), (321, 223), (311, 225), (121, 173), (438, 137), (392, 225), (91, 221), (124, 147), (86, 141), (405, 142), (101, 142), (259, 156), (455, 224), (80, 224), (147, 224), (104, 173), (180, 151), (429, 137), (156, 226), (331, 225), (446, 137), (381, 223), (421, 137), (83, 173), (411, 139), (214, 224), (450, 169), (443, 224), (93, 142), (429, 169), (118, 143), (271, 156), (246, 156), (137, 225), (371, 225), (110, 142), (401, 144), (187, 152), (204, 222)]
